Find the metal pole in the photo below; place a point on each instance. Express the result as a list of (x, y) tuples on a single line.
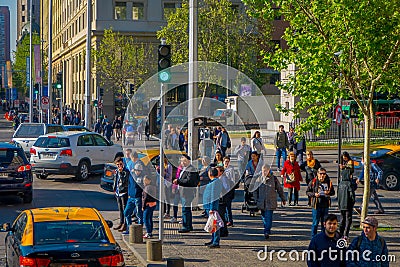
[(162, 170), (50, 68), (192, 94), (30, 63), (88, 55)]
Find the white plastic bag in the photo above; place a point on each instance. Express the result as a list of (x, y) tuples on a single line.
[(214, 222)]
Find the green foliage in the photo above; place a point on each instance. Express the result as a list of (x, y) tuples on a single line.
[(120, 58), (19, 65), (226, 34)]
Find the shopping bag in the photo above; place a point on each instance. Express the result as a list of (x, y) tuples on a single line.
[(211, 225)]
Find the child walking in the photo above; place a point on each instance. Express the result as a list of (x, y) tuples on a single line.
[(149, 205)]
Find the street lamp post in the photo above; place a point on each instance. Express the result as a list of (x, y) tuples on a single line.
[(339, 124)]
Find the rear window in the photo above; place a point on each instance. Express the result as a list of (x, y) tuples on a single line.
[(379, 153), (29, 131), (12, 157), (52, 142), (54, 128), (56, 232)]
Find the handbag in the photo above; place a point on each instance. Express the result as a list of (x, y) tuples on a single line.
[(290, 178)]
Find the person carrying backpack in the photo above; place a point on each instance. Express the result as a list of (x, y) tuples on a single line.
[(369, 241), (346, 200)]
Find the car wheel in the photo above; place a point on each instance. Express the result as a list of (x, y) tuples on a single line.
[(41, 176), (83, 171), (391, 181), (27, 198)]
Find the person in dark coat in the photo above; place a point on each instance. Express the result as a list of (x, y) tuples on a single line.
[(120, 188), (310, 166), (346, 200), (108, 131)]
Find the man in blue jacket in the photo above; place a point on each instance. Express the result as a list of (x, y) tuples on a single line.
[(326, 247)]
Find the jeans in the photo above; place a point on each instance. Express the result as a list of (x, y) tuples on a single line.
[(280, 152), (318, 216), (148, 218), (122, 202), (228, 215), (222, 212), (296, 196), (345, 223), (216, 237), (134, 204), (266, 216), (223, 151), (375, 198), (187, 213)]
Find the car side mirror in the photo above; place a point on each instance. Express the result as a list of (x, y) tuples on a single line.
[(6, 227), (109, 223)]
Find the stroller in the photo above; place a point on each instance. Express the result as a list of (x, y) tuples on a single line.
[(250, 204)]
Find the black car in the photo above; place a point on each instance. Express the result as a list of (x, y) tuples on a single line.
[(15, 172), (77, 128)]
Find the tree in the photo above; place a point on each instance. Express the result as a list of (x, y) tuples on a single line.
[(225, 35), (367, 36), (19, 66), (120, 58)]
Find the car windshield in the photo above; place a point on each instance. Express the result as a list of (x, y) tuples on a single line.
[(379, 153), (29, 131), (56, 232), (12, 158), (52, 142)]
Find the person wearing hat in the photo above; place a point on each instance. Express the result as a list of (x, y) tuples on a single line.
[(371, 247), (135, 190)]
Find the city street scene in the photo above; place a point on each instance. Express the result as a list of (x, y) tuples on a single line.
[(199, 133)]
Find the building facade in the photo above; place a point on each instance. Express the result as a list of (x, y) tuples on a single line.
[(4, 35), (23, 15)]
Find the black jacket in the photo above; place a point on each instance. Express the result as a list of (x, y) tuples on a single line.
[(316, 186), (189, 178), (123, 179)]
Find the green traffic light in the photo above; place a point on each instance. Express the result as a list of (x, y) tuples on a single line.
[(58, 86), (164, 76)]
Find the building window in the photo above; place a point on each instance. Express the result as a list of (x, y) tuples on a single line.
[(23, 19), (120, 10), (169, 8), (23, 8), (274, 78), (137, 11)]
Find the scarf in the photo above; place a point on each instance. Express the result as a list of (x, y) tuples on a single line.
[(311, 162)]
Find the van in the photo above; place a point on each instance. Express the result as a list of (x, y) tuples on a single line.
[(27, 133)]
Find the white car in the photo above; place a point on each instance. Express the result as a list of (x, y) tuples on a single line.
[(79, 153)]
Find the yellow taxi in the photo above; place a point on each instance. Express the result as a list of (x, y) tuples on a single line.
[(62, 237)]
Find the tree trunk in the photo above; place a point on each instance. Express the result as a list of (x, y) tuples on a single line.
[(367, 134)]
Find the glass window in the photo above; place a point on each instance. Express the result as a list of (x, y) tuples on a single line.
[(120, 10), (169, 8), (54, 129), (137, 11), (100, 141), (52, 142), (12, 157), (29, 131), (85, 140)]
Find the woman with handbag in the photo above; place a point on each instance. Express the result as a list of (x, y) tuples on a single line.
[(292, 177)]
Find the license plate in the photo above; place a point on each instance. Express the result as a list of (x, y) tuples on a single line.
[(3, 174), (47, 156)]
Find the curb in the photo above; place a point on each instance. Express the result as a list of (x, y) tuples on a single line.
[(134, 251)]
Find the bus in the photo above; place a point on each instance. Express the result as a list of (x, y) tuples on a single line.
[(382, 108)]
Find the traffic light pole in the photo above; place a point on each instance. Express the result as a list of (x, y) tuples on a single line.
[(50, 68), (162, 169), (88, 55)]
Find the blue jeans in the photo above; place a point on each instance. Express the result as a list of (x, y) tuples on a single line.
[(318, 216), (228, 214), (148, 218), (134, 204), (267, 220), (280, 152), (187, 213)]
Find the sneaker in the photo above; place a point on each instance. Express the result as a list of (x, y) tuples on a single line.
[(266, 236), (166, 216), (208, 243), (173, 220), (213, 246), (147, 236)]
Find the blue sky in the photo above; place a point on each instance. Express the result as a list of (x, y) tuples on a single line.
[(12, 4)]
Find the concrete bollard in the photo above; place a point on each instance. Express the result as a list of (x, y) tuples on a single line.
[(154, 250), (175, 262), (135, 233)]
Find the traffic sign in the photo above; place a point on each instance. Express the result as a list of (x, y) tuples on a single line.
[(338, 114), (45, 102)]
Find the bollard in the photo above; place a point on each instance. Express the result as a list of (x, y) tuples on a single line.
[(135, 233), (175, 262), (154, 250)]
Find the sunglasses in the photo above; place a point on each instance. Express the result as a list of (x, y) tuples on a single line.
[(322, 173)]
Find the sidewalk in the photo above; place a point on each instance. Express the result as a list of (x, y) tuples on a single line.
[(290, 231)]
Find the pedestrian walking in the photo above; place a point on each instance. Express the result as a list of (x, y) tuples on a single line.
[(188, 181), (167, 187), (291, 139), (253, 167), (310, 166), (223, 200), (300, 148), (204, 179), (266, 197), (173, 139), (135, 192), (292, 177), (346, 162), (98, 127), (120, 188), (323, 246), (139, 130), (320, 190), (242, 152), (117, 126), (281, 145), (373, 243), (108, 131), (211, 198), (257, 143), (231, 184), (223, 141), (149, 205), (218, 160), (346, 200), (375, 177)]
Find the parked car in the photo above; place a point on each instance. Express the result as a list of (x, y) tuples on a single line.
[(150, 159), (388, 159), (77, 128), (15, 172), (78, 153), (27, 133), (61, 236)]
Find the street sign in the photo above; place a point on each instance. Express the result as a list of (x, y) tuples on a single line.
[(198, 122), (45, 102), (338, 114)]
